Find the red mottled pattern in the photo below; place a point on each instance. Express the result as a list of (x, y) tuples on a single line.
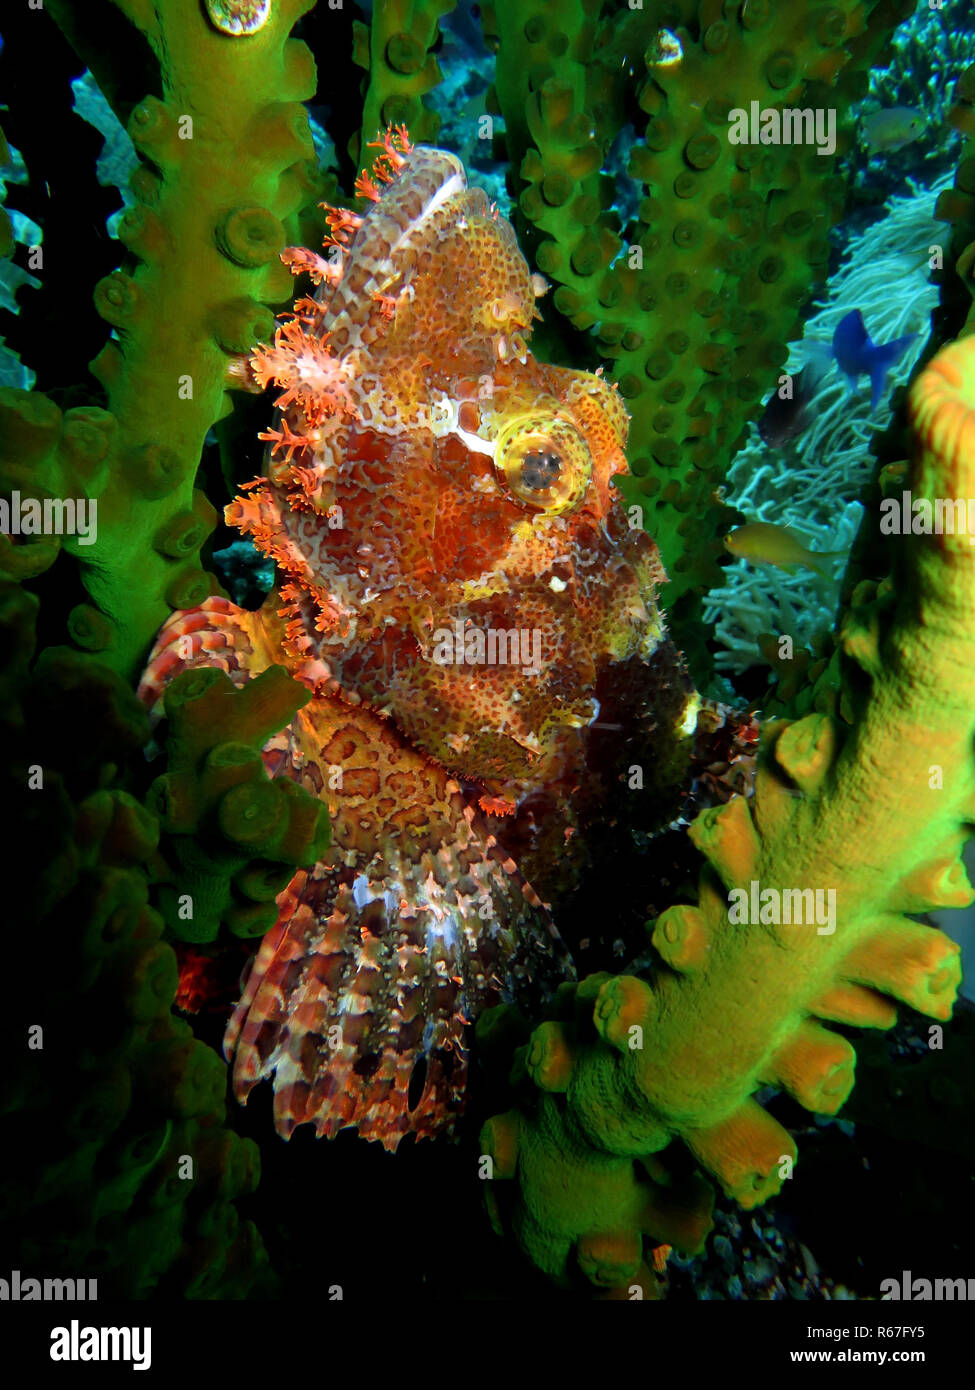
[(457, 578)]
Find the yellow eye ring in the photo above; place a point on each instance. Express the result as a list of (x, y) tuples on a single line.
[(543, 463)]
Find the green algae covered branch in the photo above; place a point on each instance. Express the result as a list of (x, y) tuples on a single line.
[(850, 805), (225, 173)]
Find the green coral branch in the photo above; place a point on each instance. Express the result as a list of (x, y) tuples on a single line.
[(956, 205), (695, 312), (226, 172), (858, 811), (128, 1173), (395, 50), (234, 836)]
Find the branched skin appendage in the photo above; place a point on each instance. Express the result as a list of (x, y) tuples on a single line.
[(459, 585), (850, 806)]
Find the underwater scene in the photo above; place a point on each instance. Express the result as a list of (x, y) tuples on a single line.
[(487, 594)]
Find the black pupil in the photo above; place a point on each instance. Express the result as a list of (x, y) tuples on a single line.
[(540, 469)]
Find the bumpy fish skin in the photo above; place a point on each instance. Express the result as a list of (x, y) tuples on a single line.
[(433, 495)]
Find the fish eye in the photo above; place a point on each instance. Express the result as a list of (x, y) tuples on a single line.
[(543, 463), (540, 470)]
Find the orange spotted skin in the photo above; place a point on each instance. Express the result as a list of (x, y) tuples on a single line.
[(458, 583)]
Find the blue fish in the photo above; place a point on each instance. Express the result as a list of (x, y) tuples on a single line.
[(857, 354)]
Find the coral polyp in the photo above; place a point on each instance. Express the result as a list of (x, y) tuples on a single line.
[(239, 16)]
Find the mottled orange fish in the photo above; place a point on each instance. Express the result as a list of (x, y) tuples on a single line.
[(764, 544), (462, 593)]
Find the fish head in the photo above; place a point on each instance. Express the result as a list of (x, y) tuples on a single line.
[(735, 542), (909, 123)]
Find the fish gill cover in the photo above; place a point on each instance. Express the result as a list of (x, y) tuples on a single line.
[(488, 631)]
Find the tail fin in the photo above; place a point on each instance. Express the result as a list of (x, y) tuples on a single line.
[(882, 359), (826, 570), (357, 1005)]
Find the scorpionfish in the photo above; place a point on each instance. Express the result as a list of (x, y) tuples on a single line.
[(462, 591)]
